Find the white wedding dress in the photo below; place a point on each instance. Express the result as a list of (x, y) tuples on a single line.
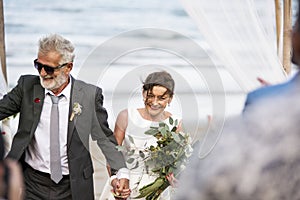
[(135, 139)]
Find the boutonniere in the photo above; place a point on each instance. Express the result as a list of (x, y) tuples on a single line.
[(76, 110), (37, 100)]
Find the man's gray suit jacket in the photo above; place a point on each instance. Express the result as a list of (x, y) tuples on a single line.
[(27, 99)]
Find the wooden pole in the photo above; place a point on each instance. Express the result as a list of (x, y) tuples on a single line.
[(287, 28), (5, 128), (278, 24), (2, 42)]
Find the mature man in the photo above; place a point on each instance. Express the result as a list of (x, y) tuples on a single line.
[(57, 115)]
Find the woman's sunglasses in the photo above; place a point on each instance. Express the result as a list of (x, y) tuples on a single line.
[(49, 70)]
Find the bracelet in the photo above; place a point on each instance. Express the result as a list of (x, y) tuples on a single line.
[(112, 178)]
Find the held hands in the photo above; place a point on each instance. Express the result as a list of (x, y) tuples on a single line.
[(120, 188)]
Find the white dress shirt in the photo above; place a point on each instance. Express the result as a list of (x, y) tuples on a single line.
[(38, 152)]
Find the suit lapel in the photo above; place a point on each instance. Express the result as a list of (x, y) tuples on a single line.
[(76, 96), (38, 101)]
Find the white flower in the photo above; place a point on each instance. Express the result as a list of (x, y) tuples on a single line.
[(188, 151), (76, 110), (182, 167)]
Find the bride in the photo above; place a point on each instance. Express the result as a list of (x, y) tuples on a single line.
[(132, 123)]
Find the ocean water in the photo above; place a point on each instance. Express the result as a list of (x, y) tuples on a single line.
[(92, 23), (86, 24)]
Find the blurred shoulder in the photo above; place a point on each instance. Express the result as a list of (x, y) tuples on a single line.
[(266, 92)]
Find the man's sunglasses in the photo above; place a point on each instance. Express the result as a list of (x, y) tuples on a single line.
[(49, 70)]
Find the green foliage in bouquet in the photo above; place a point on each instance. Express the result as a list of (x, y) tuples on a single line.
[(168, 156)]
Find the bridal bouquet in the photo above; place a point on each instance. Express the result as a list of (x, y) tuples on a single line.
[(169, 156)]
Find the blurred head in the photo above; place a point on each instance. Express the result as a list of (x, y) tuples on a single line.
[(54, 62), (296, 39), (158, 90), (252, 159)]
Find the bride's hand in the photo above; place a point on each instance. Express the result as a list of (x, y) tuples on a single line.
[(172, 180), (120, 188)]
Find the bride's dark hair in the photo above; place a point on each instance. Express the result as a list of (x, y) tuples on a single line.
[(161, 78)]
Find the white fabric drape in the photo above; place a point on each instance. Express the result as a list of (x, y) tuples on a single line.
[(241, 36)]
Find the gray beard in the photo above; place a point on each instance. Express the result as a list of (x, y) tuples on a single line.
[(56, 82)]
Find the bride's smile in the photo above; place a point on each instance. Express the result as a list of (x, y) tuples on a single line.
[(155, 103)]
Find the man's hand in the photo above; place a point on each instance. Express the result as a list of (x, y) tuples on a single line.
[(120, 188)]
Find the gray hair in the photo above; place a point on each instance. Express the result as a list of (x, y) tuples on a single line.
[(57, 43)]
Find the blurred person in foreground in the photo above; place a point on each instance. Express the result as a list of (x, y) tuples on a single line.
[(58, 114), (257, 156), (11, 177)]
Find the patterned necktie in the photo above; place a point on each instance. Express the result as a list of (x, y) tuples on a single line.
[(55, 162)]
